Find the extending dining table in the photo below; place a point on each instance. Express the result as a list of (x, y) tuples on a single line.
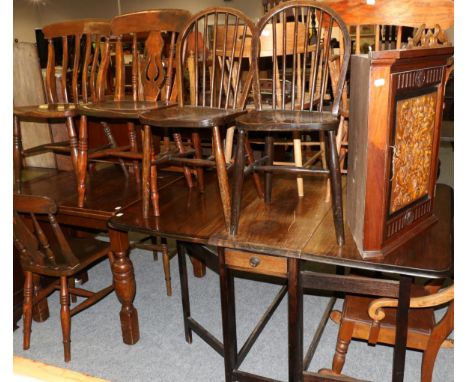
[(280, 239)]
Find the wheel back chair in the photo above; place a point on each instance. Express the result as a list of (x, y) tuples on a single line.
[(212, 46), (283, 115), (374, 321), (82, 60), (56, 256)]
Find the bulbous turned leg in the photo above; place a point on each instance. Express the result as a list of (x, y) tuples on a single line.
[(342, 345), (124, 286)]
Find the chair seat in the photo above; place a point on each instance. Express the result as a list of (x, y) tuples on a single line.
[(86, 251), (190, 117), (287, 120), (419, 320), (120, 109), (46, 111)]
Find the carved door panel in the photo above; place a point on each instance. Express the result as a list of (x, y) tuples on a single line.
[(412, 146)]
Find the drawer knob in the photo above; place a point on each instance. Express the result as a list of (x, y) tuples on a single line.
[(254, 261)]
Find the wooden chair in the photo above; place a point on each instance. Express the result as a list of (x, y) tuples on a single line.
[(284, 117), (82, 60), (151, 38), (151, 86), (374, 320), (62, 258), (219, 98)]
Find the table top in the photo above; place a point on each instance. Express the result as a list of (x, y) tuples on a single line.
[(304, 229), (290, 226), (185, 214), (107, 188)]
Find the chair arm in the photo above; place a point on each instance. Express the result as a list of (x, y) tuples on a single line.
[(441, 297)]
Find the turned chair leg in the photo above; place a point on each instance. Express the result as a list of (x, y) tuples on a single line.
[(71, 284), (250, 160), (154, 184), (65, 317), (27, 309), (132, 138), (342, 343), (269, 152), (180, 147), (333, 165), (154, 241), (196, 141), (167, 266), (238, 181)]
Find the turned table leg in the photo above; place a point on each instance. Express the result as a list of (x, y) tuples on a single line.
[(124, 286)]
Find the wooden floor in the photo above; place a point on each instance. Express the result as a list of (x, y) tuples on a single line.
[(43, 372)]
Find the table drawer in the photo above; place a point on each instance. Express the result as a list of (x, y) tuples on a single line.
[(255, 263)]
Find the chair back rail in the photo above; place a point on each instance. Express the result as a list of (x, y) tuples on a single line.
[(30, 240), (85, 37), (151, 38), (300, 72), (215, 49)]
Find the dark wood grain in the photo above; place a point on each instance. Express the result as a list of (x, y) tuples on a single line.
[(125, 109), (287, 120), (190, 117)]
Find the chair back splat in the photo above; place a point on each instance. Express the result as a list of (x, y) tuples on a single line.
[(80, 40), (299, 77), (151, 38), (215, 48)]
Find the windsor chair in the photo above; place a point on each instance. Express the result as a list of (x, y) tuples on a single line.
[(218, 96), (284, 117)]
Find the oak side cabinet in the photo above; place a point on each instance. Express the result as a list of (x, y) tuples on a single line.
[(396, 108)]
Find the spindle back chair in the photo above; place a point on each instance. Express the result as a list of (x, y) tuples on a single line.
[(306, 90), (56, 256), (212, 47), (80, 43)]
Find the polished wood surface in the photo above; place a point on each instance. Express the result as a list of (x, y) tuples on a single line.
[(49, 111), (302, 228), (287, 120), (412, 13), (125, 109), (190, 117), (179, 206)]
